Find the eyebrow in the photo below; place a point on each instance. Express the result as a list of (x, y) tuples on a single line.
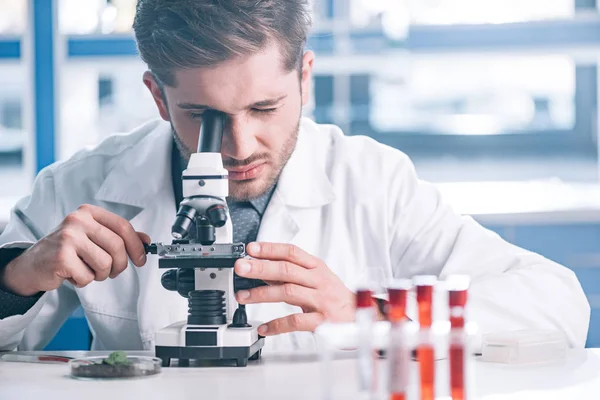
[(262, 103)]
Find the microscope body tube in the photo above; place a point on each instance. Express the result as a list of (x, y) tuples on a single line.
[(211, 132), (426, 349), (399, 349)]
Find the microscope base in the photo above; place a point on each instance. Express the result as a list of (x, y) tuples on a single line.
[(240, 355), (208, 342)]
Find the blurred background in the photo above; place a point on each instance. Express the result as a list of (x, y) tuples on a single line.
[(494, 100)]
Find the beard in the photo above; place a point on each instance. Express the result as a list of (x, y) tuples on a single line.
[(245, 190)]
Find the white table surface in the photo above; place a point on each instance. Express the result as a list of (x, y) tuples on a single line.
[(526, 202), (294, 377)]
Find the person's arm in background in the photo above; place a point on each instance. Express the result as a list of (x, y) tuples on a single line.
[(511, 288), (62, 252), (31, 217), (11, 303)]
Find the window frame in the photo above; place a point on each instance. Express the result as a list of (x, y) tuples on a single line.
[(545, 36)]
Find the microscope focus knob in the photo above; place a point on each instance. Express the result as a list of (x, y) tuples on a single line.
[(217, 215), (185, 282), (181, 281), (169, 280), (240, 318)]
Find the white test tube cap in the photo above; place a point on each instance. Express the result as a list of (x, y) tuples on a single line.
[(457, 283), (401, 284), (424, 280)]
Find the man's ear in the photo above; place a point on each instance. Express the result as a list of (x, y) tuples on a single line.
[(157, 95), (306, 79)]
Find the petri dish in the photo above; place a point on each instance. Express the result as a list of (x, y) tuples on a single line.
[(93, 368)]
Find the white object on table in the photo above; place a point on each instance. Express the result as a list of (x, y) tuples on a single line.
[(293, 377), (40, 359), (525, 346)]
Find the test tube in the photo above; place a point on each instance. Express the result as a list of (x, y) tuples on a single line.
[(425, 351), (457, 286), (323, 340), (399, 351), (333, 339), (365, 321)]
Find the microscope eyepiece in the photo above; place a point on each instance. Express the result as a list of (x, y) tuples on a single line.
[(183, 222)]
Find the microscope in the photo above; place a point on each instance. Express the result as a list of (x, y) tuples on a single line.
[(200, 267)]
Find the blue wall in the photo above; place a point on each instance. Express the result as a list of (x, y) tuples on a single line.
[(576, 246)]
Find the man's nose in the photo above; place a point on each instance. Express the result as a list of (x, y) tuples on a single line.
[(239, 138)]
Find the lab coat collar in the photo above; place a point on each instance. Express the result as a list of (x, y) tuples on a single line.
[(141, 171), (303, 181), (144, 170)]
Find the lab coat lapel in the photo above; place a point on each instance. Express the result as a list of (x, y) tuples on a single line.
[(278, 223), (302, 189), (141, 171)]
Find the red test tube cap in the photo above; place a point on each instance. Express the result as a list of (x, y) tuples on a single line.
[(397, 292), (424, 285), (457, 287), (364, 298)]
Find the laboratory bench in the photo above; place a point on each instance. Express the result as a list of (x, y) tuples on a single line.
[(298, 376), (558, 220)]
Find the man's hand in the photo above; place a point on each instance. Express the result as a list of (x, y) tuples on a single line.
[(91, 244), (297, 278)]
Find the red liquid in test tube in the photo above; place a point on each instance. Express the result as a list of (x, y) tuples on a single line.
[(425, 351), (399, 357), (457, 300)]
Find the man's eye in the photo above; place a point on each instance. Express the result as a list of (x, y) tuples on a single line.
[(264, 110), (196, 115)]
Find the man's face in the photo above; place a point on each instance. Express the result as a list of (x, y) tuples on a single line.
[(263, 104)]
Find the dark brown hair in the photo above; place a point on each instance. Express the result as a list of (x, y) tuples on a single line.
[(181, 34)]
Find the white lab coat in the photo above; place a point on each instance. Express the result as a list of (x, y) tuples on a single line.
[(356, 204)]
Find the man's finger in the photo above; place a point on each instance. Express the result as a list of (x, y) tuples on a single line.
[(122, 227), (283, 252), (289, 293), (81, 274), (144, 237), (111, 243), (278, 271), (292, 323), (96, 258)]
